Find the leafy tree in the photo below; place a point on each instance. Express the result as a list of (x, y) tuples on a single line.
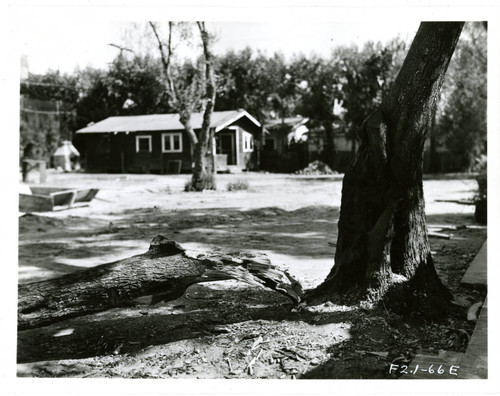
[(263, 86), (238, 82), (137, 85), (95, 102), (131, 85), (52, 86), (47, 112), (343, 88), (364, 79), (319, 96), (461, 115)]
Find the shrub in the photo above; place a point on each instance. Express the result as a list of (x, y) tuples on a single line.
[(238, 185), (316, 168), (207, 182)]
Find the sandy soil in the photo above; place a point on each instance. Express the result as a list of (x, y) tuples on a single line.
[(227, 329)]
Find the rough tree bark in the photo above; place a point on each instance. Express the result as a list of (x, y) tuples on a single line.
[(204, 169), (382, 251), (165, 271)]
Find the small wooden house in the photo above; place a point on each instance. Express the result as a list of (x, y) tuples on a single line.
[(282, 149), (281, 132), (159, 143)]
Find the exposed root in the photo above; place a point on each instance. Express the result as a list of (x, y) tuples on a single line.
[(393, 292)]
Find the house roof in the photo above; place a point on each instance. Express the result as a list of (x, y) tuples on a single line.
[(294, 127), (165, 122), (291, 122)]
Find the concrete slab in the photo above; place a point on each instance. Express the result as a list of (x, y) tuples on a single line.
[(476, 275), (473, 364), (475, 359)]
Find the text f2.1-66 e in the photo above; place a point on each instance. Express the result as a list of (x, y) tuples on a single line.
[(432, 369)]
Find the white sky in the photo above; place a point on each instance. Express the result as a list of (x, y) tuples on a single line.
[(64, 45), (63, 37)]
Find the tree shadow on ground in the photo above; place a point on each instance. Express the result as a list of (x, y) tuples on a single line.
[(406, 335), (311, 344), (130, 330), (307, 232)]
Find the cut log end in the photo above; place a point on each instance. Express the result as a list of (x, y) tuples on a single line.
[(165, 247)]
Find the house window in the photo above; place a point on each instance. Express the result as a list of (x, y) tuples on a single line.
[(247, 142), (171, 142), (143, 144)]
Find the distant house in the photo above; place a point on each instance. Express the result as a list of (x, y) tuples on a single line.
[(158, 143), (282, 150), (343, 147), (281, 132), (291, 143), (344, 151)]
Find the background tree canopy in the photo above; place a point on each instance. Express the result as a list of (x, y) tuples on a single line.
[(461, 115), (336, 92)]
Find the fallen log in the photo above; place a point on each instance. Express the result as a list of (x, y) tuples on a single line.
[(457, 201), (165, 271), (439, 235)]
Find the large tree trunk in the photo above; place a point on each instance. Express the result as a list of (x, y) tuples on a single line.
[(382, 248), (182, 103), (434, 166), (165, 271), (203, 170)]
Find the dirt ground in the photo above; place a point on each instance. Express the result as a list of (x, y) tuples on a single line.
[(228, 329)]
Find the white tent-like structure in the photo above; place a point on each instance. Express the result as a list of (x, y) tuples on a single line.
[(63, 155)]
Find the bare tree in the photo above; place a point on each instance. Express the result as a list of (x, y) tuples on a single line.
[(204, 166), (184, 101)]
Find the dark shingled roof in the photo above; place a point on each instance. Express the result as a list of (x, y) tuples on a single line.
[(165, 122)]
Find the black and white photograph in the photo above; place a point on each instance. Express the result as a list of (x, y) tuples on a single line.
[(273, 192)]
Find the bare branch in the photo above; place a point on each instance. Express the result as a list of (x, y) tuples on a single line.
[(209, 94), (120, 48), (166, 59), (179, 99)]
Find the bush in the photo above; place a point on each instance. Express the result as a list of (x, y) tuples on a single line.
[(316, 168), (238, 185), (207, 182)]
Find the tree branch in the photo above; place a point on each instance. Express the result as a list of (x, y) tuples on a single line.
[(182, 106), (166, 59), (209, 92)]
